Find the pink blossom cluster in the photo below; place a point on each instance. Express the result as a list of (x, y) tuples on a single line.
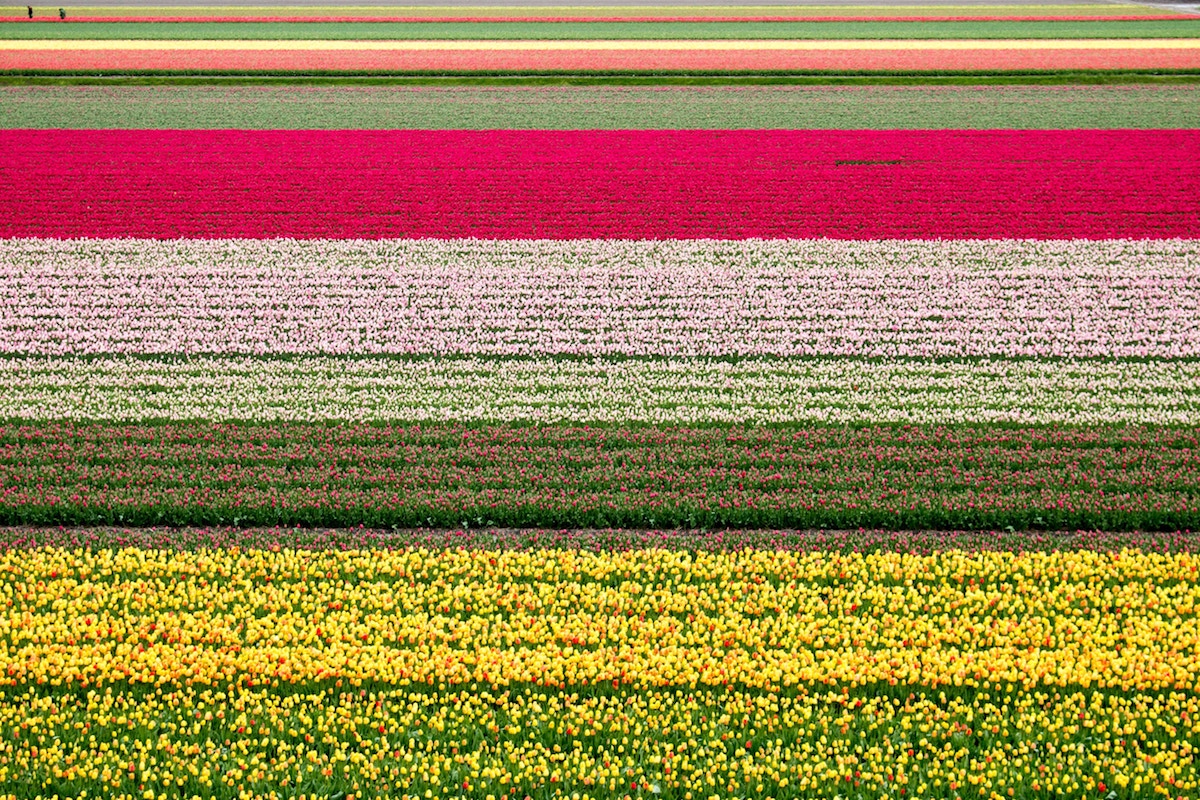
[(786, 298)]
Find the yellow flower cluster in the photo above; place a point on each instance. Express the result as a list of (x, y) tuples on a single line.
[(656, 618), (193, 742)]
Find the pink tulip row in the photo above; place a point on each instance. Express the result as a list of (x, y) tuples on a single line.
[(98, 15), (902, 58), (601, 184), (999, 298)]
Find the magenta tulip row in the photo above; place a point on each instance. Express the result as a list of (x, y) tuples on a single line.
[(601, 184)]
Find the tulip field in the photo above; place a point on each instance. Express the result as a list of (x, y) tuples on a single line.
[(580, 40), (613, 185), (514, 403)]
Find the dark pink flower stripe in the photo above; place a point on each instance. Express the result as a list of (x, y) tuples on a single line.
[(600, 184), (901, 59), (636, 18)]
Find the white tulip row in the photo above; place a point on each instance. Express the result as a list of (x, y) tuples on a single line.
[(789, 298), (691, 391)]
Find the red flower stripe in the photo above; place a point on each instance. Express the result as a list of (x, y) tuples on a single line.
[(601, 184), (901, 59), (644, 18), (1118, 477)]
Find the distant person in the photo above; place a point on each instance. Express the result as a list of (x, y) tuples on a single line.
[(62, 14), (30, 10)]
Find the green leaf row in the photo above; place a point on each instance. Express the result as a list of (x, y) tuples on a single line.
[(447, 475), (273, 107)]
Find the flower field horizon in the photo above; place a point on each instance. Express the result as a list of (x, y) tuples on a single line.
[(441, 40), (514, 403)]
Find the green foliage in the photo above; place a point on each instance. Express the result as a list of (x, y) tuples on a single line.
[(879, 476), (286, 106)]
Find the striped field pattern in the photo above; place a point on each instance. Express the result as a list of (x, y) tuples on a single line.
[(456, 436), (921, 39), (699, 280)]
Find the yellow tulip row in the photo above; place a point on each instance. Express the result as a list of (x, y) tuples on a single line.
[(391, 742), (651, 618), (416, 673)]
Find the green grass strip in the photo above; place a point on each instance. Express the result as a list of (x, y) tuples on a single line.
[(269, 107), (1138, 29)]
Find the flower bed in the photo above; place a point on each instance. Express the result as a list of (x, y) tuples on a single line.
[(905, 58), (513, 673), (1109, 477), (602, 184)]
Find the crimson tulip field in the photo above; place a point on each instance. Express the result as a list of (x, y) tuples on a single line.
[(604, 403), (602, 184)]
